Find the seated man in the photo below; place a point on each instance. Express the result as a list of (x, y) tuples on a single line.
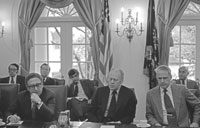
[(82, 92), (36, 103), (114, 102), (44, 71), (13, 78), (166, 104)]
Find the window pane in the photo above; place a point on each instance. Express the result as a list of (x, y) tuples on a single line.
[(54, 53), (78, 35), (79, 53), (188, 53), (37, 67), (40, 52), (174, 70), (40, 35), (86, 70), (55, 71), (176, 34), (188, 34), (174, 54), (59, 12), (54, 35)]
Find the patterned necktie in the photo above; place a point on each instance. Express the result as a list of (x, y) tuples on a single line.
[(12, 80), (171, 113), (113, 104), (75, 90)]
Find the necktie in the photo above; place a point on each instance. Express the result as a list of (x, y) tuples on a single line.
[(183, 82), (75, 90), (113, 104), (33, 108), (12, 80), (171, 113)]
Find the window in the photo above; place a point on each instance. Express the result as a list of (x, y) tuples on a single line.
[(186, 41), (62, 41)]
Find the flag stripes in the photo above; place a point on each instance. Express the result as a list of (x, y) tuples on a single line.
[(106, 57)]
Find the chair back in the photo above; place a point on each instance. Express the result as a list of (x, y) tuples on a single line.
[(61, 97), (59, 81), (8, 95)]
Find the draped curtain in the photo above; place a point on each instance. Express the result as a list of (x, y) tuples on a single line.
[(57, 3), (196, 1), (29, 12), (169, 13), (90, 14)]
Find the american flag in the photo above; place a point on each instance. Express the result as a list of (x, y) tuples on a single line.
[(106, 56), (151, 51)]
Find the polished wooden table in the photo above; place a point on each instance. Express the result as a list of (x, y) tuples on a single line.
[(33, 124)]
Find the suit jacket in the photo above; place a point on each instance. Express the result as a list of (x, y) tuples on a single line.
[(191, 84), (19, 80), (49, 81), (88, 88), (181, 96), (126, 105), (22, 106)]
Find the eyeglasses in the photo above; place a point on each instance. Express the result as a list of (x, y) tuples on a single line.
[(75, 75), (34, 85), (12, 69)]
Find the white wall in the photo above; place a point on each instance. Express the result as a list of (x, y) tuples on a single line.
[(130, 56), (9, 50), (127, 56)]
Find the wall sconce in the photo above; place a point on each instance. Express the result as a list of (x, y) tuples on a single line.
[(129, 25), (2, 29)]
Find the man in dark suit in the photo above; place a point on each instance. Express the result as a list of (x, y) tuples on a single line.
[(114, 102), (13, 78), (44, 71), (190, 84), (166, 104), (81, 92), (36, 103)]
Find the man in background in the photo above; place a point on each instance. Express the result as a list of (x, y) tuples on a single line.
[(36, 103), (115, 102), (44, 71), (13, 78), (183, 80), (81, 92), (166, 104)]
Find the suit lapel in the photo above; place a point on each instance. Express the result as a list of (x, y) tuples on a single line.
[(157, 100), (105, 97), (176, 98)]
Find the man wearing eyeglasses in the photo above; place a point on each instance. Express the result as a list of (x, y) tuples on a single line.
[(36, 103), (81, 92), (13, 77)]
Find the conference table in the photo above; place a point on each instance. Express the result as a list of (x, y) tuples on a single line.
[(34, 124)]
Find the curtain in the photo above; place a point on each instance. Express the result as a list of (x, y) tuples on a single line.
[(196, 1), (90, 14), (169, 13), (29, 12), (57, 3)]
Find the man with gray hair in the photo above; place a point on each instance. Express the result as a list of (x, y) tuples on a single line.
[(36, 103), (114, 102), (166, 104)]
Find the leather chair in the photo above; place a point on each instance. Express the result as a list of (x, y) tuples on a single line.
[(61, 97), (59, 81), (8, 95)]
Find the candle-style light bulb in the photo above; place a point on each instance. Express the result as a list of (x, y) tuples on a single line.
[(117, 22), (122, 14)]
